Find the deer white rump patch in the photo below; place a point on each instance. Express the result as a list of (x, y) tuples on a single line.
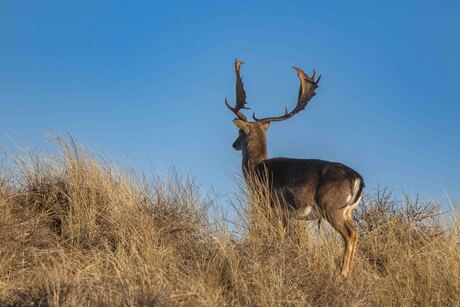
[(350, 207), (349, 198)]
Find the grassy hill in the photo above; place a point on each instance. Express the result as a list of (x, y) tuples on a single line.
[(75, 231)]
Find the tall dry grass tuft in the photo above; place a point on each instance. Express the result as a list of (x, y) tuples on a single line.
[(76, 230)]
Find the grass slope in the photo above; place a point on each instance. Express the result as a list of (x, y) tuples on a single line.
[(76, 231)]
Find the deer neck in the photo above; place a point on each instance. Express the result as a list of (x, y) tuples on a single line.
[(254, 152)]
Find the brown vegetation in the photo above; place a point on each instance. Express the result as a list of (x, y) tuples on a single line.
[(77, 231)]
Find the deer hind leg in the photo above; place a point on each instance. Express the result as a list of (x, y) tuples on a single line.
[(348, 215), (354, 240), (351, 228), (348, 232)]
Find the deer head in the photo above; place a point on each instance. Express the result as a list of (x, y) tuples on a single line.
[(252, 134)]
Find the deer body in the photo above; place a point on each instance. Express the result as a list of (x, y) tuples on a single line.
[(311, 189), (306, 185), (317, 189)]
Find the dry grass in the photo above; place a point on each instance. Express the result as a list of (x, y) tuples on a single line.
[(75, 231)]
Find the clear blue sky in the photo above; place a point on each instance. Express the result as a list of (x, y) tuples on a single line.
[(144, 82)]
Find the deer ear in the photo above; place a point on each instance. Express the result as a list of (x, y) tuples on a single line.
[(240, 124), (266, 126)]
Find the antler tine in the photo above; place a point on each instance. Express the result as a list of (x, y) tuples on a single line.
[(240, 94), (307, 88)]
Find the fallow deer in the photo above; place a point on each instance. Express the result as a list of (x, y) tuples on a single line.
[(311, 189)]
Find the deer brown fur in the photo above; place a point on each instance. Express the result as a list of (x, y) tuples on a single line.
[(311, 189)]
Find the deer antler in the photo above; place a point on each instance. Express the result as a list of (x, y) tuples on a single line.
[(240, 94), (307, 89)]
